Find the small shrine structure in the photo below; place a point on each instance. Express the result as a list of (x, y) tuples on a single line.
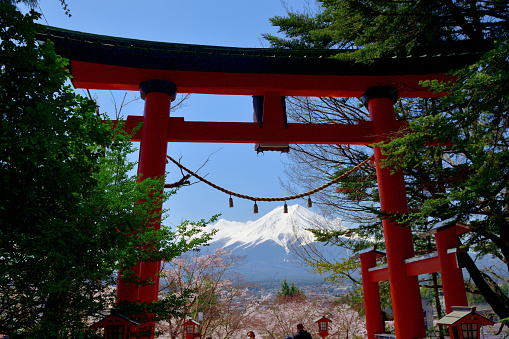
[(117, 325), (464, 323)]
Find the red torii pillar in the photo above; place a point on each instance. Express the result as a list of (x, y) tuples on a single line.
[(451, 274), (158, 95), (444, 261), (371, 290), (405, 293)]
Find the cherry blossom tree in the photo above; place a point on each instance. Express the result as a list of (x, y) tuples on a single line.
[(230, 307), (280, 318), (213, 288), (346, 323)]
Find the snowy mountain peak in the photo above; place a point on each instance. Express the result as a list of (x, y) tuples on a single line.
[(285, 229)]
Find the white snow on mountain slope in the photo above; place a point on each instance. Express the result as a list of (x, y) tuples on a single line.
[(273, 245), (281, 228)]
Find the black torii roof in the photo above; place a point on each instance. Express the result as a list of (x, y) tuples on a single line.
[(187, 57), (111, 63)]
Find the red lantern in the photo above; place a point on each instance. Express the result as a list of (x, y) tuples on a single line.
[(323, 326), (191, 329)]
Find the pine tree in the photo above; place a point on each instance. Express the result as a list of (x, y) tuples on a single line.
[(287, 290)]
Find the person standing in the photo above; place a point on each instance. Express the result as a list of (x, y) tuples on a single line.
[(302, 333)]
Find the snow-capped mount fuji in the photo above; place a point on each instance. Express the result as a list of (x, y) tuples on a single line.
[(284, 229), (269, 243)]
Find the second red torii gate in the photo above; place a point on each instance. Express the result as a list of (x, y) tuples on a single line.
[(443, 260), (158, 69)]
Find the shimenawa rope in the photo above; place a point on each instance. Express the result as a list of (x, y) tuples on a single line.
[(292, 197)]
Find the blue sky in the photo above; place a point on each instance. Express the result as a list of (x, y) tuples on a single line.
[(234, 23)]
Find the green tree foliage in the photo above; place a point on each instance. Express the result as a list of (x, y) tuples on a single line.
[(70, 213), (470, 176), (377, 28), (466, 182), (33, 4), (287, 290)]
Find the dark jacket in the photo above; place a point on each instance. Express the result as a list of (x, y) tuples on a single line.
[(302, 334)]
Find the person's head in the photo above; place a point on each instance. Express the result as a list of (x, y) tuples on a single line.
[(300, 327), (288, 337), (250, 334)]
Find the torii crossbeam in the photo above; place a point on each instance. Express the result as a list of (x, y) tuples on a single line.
[(158, 69)]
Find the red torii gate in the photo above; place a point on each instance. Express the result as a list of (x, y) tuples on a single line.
[(158, 69), (444, 260)]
